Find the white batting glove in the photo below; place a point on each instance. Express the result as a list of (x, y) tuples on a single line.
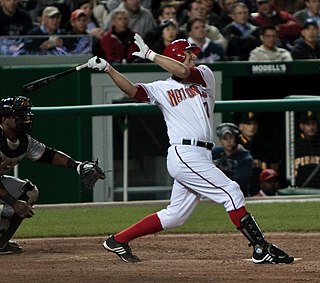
[(98, 64), (145, 52)]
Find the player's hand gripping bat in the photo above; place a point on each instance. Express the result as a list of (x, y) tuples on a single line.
[(29, 87)]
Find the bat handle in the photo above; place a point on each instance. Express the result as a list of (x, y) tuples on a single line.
[(80, 67)]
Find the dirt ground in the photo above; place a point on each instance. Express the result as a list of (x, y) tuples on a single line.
[(165, 258)]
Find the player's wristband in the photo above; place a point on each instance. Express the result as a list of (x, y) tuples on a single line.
[(9, 199), (150, 55)]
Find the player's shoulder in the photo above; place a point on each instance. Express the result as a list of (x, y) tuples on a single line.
[(204, 68)]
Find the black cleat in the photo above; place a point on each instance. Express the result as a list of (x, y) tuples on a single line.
[(270, 254), (121, 250), (11, 247)]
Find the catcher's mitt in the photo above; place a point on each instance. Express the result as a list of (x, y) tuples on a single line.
[(90, 172)]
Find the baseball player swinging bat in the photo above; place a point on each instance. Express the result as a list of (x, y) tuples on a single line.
[(32, 86)]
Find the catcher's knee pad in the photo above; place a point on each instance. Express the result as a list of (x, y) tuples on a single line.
[(30, 192)]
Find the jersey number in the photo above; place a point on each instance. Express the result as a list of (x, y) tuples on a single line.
[(205, 104)]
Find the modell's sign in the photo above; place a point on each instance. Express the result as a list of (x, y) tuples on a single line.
[(269, 69)]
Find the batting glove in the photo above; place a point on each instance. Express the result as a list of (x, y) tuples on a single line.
[(145, 52), (98, 64)]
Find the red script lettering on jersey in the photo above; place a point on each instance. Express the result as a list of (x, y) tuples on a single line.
[(177, 95)]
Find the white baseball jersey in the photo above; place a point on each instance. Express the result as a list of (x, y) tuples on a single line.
[(187, 106)]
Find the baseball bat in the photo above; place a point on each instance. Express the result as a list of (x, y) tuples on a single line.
[(32, 86)]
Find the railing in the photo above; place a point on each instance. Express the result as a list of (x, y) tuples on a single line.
[(289, 104), (263, 105)]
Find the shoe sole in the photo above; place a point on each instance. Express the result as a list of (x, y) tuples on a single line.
[(268, 259), (10, 252), (115, 251)]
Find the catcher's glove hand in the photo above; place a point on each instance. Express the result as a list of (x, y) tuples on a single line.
[(90, 172)]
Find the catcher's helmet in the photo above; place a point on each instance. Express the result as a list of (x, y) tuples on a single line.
[(230, 128), (176, 48), (19, 107)]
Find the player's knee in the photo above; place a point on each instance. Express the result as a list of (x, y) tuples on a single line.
[(237, 199), (30, 193), (172, 220)]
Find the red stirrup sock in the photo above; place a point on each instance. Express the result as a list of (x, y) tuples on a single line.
[(148, 225), (236, 215)]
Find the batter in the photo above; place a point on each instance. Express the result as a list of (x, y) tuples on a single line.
[(187, 102)]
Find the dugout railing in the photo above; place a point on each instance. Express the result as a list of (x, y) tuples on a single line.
[(289, 105)]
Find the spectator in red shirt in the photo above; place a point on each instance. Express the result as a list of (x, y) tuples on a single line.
[(287, 26), (117, 44)]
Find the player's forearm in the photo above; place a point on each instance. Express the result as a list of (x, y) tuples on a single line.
[(172, 66), (122, 82)]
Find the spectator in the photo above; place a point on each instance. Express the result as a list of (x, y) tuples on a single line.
[(311, 10), (307, 46), (210, 51), (197, 10), (291, 6), (13, 20), (166, 34), (93, 27), (288, 27), (82, 42), (112, 4), (49, 42), (268, 51), (100, 12), (249, 126), (307, 152), (232, 158), (165, 12), (212, 10), (269, 183), (225, 16), (117, 44), (140, 19), (242, 36)]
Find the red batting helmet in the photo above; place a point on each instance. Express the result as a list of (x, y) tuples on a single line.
[(175, 49)]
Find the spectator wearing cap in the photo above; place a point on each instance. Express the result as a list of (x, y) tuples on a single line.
[(80, 41), (249, 125), (50, 42), (231, 157), (311, 11), (117, 44), (307, 151), (14, 20), (308, 45), (210, 51), (269, 183), (269, 14), (268, 51), (93, 27), (167, 32)]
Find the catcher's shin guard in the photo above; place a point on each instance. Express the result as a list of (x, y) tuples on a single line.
[(251, 230), (10, 221)]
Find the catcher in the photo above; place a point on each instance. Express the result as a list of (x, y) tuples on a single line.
[(17, 196)]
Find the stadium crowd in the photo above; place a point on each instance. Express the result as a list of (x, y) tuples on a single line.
[(225, 30)]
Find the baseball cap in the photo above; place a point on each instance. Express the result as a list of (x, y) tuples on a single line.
[(227, 128), (165, 23), (50, 11), (262, 1), (267, 174), (248, 117), (308, 115), (77, 13), (309, 22)]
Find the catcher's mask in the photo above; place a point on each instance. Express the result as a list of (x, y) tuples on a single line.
[(230, 128), (176, 48), (19, 107)]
